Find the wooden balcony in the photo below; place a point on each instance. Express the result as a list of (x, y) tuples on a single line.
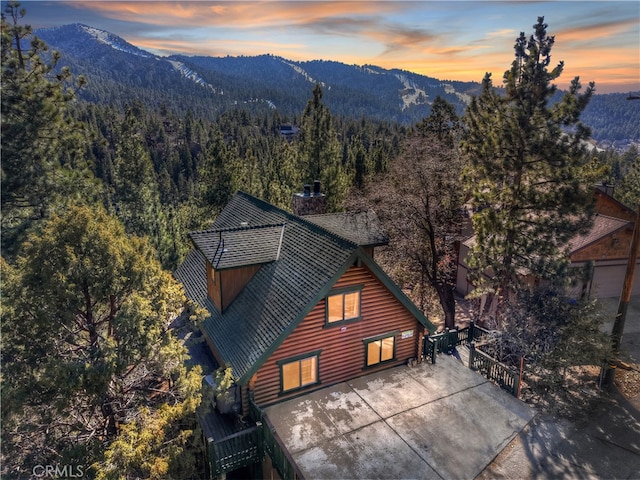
[(230, 444)]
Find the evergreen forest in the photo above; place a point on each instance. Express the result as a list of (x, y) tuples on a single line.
[(98, 199)]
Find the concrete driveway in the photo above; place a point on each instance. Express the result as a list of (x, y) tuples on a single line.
[(429, 421)]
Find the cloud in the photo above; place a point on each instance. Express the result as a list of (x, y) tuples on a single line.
[(233, 14), (455, 40), (502, 33)]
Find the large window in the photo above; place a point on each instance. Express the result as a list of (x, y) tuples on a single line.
[(343, 305), (299, 372), (380, 349)]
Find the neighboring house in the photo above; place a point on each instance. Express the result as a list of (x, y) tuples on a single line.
[(289, 131), (604, 248), (296, 303)]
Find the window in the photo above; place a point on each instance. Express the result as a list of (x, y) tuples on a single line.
[(299, 372), (380, 349), (343, 305)]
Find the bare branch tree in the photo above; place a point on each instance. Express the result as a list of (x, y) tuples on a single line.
[(419, 203)]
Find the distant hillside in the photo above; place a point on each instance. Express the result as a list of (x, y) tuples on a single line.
[(119, 72)]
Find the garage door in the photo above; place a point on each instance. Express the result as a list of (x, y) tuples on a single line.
[(608, 280)]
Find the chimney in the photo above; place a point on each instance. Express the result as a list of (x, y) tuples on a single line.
[(308, 203)]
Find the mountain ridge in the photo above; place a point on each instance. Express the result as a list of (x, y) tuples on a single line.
[(119, 72)]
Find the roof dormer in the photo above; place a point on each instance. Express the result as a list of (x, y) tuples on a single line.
[(233, 256)]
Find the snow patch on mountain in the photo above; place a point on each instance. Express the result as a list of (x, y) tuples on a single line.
[(367, 69), (300, 71), (411, 94), (448, 88), (115, 42), (193, 76)]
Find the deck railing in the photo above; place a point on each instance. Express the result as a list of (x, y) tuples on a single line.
[(273, 445), (445, 342), (476, 332), (236, 451), (439, 343), (495, 371), (280, 457)]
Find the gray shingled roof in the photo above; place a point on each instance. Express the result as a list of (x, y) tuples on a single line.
[(282, 292), (239, 247), (362, 228), (191, 274)]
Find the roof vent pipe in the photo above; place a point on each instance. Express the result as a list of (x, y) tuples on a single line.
[(316, 187)]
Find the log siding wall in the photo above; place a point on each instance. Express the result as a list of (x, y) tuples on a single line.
[(342, 348)]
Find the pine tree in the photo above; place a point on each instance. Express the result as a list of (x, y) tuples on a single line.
[(361, 165), (529, 189), (442, 122), (135, 186), (281, 176), (218, 173), (320, 151), (628, 191), (42, 147)]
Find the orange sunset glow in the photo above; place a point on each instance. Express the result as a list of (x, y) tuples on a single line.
[(598, 41)]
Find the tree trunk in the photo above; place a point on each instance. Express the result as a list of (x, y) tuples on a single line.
[(448, 302)]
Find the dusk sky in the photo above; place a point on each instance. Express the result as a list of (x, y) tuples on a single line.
[(452, 40)]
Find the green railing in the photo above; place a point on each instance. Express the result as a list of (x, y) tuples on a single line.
[(478, 360), (495, 371), (446, 341), (255, 412), (236, 451), (273, 445), (280, 457), (439, 343), (476, 332)]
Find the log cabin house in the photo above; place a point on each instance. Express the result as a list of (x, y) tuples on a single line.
[(295, 302)]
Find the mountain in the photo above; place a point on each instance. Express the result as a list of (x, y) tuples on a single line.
[(119, 73)]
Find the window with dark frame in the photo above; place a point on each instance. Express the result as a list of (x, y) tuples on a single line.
[(299, 372), (343, 305), (380, 349)]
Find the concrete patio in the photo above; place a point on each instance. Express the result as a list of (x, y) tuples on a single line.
[(429, 421)]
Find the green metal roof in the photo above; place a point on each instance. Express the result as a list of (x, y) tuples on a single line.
[(311, 260)]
